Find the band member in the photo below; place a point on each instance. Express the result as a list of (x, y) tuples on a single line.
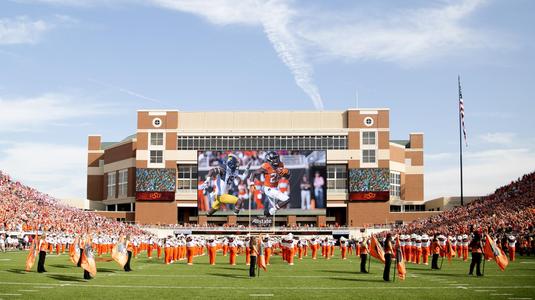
[(190, 249), (425, 249), (343, 247), (511, 247), (435, 249), (363, 247), (389, 250), (465, 247), (211, 245), (477, 250), (42, 246), (314, 246), (253, 249), (129, 249), (233, 250), (267, 248)]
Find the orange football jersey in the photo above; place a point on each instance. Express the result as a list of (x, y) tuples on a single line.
[(271, 178)]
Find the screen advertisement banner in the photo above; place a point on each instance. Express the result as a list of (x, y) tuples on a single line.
[(155, 184), (369, 184), (298, 184)]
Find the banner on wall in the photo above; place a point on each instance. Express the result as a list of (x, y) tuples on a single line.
[(155, 196)]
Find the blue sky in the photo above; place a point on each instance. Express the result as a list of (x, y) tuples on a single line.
[(69, 68)]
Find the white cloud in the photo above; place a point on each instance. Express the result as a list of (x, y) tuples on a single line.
[(405, 36), (502, 138), (276, 18), (26, 114), (58, 170), (483, 172), (22, 30)]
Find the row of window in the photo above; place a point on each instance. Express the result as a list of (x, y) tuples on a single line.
[(395, 184), (407, 208), (262, 142), (122, 184)]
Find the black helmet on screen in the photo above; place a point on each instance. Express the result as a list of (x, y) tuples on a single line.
[(273, 158)]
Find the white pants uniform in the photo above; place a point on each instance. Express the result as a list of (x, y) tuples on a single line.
[(274, 196)]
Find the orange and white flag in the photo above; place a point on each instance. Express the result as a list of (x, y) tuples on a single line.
[(493, 251), (88, 261), (376, 250), (74, 252), (400, 262), (30, 259), (119, 254)]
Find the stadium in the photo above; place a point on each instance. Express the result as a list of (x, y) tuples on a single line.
[(355, 146), (253, 149)]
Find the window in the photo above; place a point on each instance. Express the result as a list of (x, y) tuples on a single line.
[(156, 156), (414, 208), (395, 184), (368, 156), (395, 208), (187, 177), (156, 138), (368, 121), (111, 185), (337, 177), (124, 207), (156, 122), (262, 142), (123, 183), (110, 207), (368, 137)]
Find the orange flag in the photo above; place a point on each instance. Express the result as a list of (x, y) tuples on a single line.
[(88, 261), (74, 251), (400, 262), (493, 251), (449, 250), (261, 259), (119, 254), (376, 250), (30, 259)]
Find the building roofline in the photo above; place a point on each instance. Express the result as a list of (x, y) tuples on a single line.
[(163, 109)]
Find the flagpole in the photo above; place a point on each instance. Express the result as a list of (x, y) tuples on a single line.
[(460, 139)]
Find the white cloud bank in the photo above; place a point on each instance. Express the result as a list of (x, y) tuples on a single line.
[(22, 30), (59, 170), (33, 113), (404, 36), (483, 171)]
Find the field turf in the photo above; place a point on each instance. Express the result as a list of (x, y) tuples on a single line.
[(307, 279)]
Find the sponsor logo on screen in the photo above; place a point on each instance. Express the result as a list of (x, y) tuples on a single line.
[(369, 196), (262, 222), (155, 196)]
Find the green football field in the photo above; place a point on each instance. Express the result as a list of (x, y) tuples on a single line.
[(332, 279)]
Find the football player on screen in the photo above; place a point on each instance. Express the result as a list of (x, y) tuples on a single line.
[(224, 178), (273, 170)]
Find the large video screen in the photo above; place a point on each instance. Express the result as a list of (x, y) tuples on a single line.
[(305, 188), (369, 184), (155, 184)]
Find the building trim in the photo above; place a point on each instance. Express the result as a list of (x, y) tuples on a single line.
[(91, 171), (120, 165)]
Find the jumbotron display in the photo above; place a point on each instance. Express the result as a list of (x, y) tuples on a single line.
[(369, 184), (274, 182), (155, 184)]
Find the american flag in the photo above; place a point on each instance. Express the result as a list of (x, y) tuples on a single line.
[(461, 110)]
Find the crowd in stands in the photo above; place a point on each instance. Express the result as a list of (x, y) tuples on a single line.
[(510, 210), (23, 208)]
